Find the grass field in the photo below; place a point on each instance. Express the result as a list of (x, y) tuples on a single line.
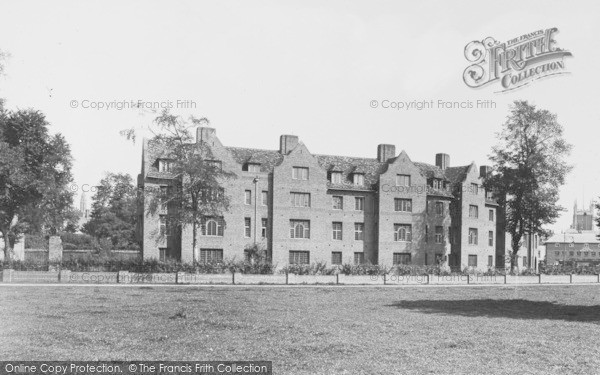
[(312, 330)]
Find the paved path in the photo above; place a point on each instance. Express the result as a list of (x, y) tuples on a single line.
[(9, 285)]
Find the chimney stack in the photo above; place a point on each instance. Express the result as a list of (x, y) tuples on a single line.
[(287, 143), (385, 152), (204, 133), (442, 161), (484, 170)]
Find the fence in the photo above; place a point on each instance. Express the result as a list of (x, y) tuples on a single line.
[(126, 277)]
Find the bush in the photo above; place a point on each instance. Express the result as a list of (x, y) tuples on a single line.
[(36, 241), (78, 241)]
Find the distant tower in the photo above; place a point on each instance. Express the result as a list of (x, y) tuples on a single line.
[(583, 220), (83, 206)]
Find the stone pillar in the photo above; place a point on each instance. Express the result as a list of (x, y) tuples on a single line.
[(19, 250), (55, 249)]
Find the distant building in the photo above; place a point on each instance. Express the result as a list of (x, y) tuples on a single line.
[(84, 210), (580, 243)]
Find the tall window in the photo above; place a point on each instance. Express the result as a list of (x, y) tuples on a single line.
[(472, 260), (359, 203), (403, 180), (299, 229), (300, 199), (263, 229), (474, 189), (300, 173), (264, 198), (426, 233), (401, 258), (299, 257), (472, 236), (247, 197), (491, 238), (163, 225), (163, 254), (359, 258), (402, 232), (211, 255), (164, 196), (490, 261), (359, 231), (473, 211), (247, 227), (337, 230), (403, 205), (211, 226), (525, 260), (491, 215), (439, 234), (439, 208), (336, 257), (338, 202), (359, 179), (336, 177)]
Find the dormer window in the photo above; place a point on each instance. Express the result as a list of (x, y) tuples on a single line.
[(437, 183), (164, 165), (214, 163), (252, 167), (359, 179), (336, 177)]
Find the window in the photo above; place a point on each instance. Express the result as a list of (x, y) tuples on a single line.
[(264, 198), (474, 189), (299, 229), (359, 179), (163, 226), (336, 257), (338, 202), (359, 203), (211, 226), (524, 261), (491, 238), (163, 254), (403, 205), (473, 211), (164, 165), (452, 234), (359, 231), (439, 234), (263, 229), (247, 227), (247, 197), (211, 255), (164, 196), (300, 199), (403, 180), (253, 167), (359, 258), (299, 257), (436, 183), (557, 253), (491, 215), (336, 177), (571, 253), (337, 231), (585, 253), (401, 258), (535, 241), (490, 261), (216, 164), (472, 260), (593, 253), (402, 232), (299, 173), (473, 236), (439, 208), (426, 233)]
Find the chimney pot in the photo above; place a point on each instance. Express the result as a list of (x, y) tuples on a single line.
[(442, 161), (385, 152), (287, 143)]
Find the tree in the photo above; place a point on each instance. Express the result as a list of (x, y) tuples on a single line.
[(114, 209), (196, 192), (35, 171), (529, 167)]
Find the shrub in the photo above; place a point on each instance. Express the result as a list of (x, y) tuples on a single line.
[(36, 241)]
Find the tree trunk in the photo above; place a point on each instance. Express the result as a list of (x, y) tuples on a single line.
[(194, 232), (8, 250)]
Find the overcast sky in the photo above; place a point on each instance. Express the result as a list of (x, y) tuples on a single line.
[(259, 69)]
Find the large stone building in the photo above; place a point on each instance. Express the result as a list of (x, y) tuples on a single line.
[(305, 208)]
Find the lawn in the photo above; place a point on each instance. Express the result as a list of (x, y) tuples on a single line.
[(312, 330)]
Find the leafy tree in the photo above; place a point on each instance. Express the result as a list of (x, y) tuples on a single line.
[(35, 171), (197, 178), (113, 213), (529, 167)]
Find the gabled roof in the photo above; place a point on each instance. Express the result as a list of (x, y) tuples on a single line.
[(456, 174), (371, 168)]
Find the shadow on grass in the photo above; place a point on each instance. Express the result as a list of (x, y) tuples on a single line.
[(506, 308)]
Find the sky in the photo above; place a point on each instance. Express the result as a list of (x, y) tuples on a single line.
[(259, 69)]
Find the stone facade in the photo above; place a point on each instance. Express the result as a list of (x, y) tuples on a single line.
[(334, 209)]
